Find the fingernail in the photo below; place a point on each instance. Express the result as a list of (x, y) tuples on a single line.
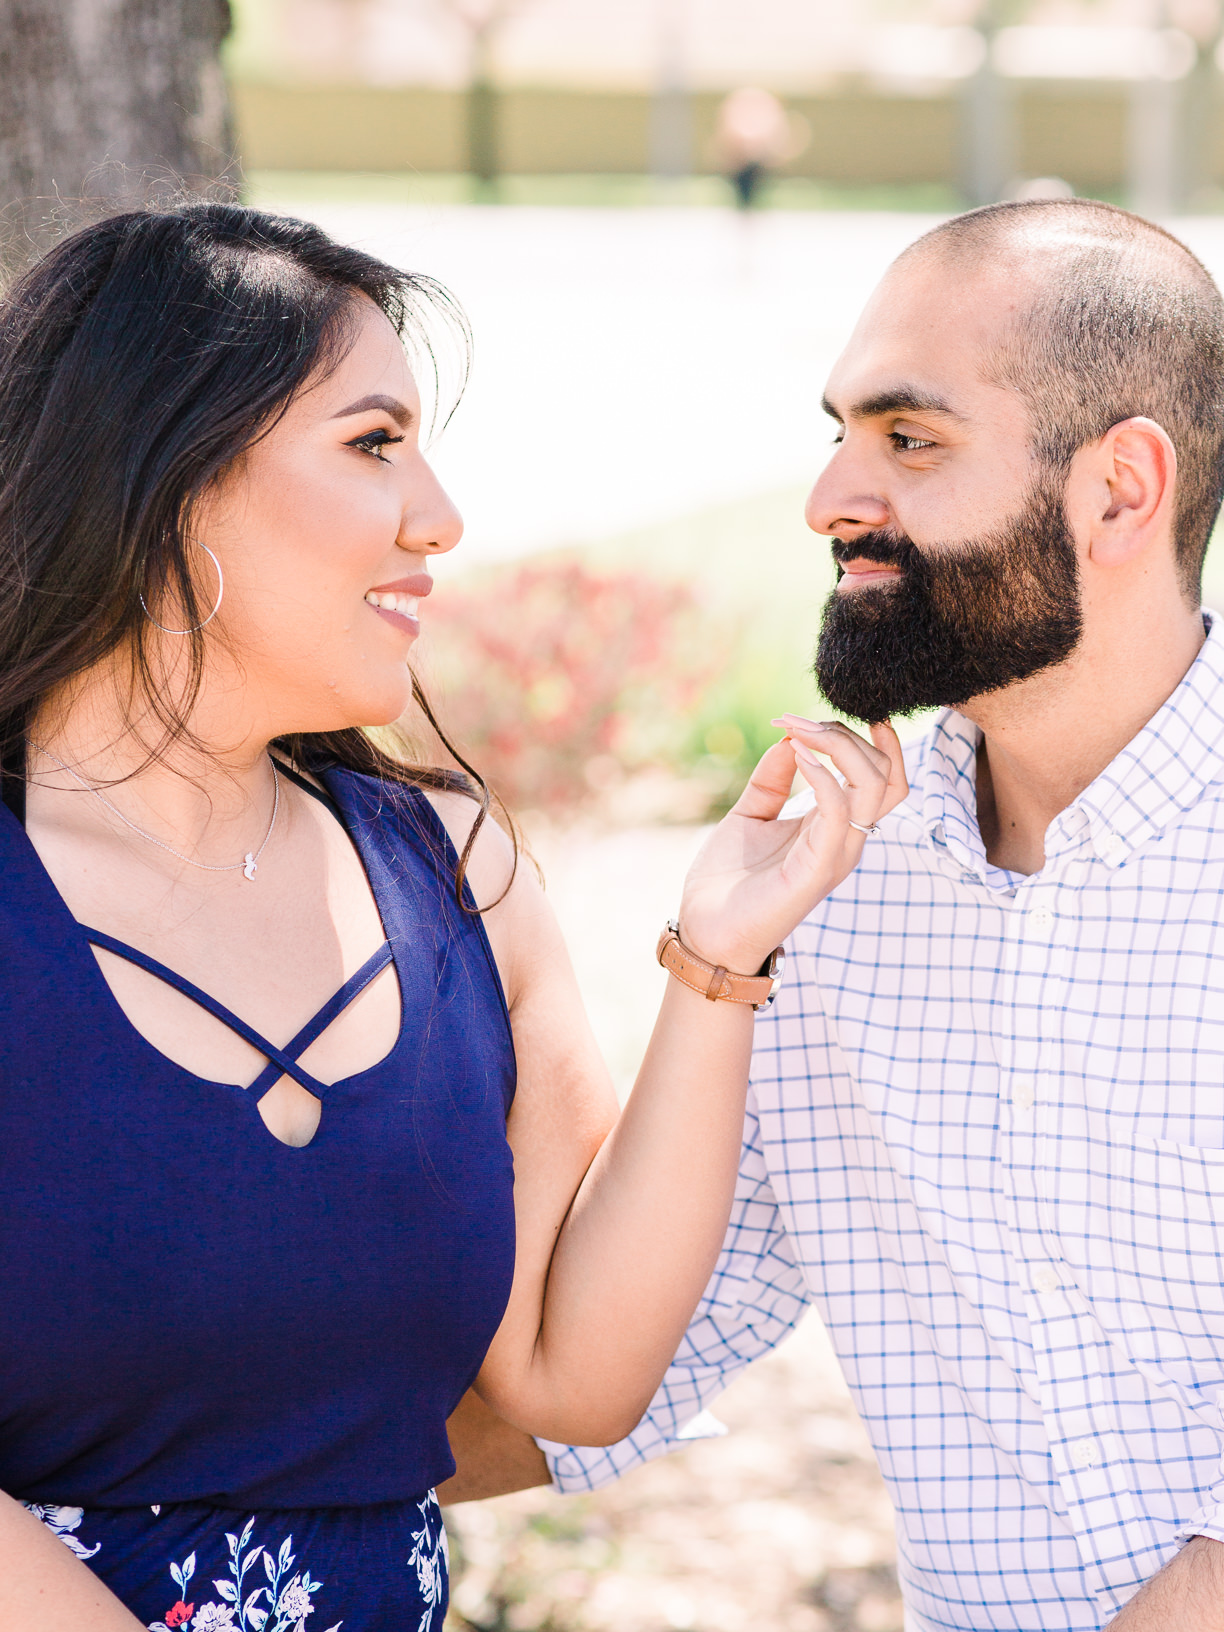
[(802, 752)]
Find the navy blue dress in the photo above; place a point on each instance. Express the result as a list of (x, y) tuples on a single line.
[(226, 1364)]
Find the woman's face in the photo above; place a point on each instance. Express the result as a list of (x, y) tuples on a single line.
[(324, 531)]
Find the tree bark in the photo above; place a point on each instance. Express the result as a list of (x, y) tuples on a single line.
[(104, 103), (484, 147)]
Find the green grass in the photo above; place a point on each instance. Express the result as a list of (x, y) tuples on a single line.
[(594, 191)]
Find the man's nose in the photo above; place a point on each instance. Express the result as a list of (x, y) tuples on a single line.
[(842, 503)]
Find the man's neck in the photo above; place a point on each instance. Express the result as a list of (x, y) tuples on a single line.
[(1046, 739)]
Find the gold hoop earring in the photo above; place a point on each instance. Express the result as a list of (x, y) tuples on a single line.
[(196, 627)]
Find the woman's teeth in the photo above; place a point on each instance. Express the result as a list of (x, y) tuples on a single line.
[(393, 601)]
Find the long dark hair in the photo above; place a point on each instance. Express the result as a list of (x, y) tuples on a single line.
[(138, 359)]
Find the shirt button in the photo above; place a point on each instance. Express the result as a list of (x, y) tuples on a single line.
[(1084, 1453), (1111, 847), (1023, 1097), (1041, 918), (1047, 1278)]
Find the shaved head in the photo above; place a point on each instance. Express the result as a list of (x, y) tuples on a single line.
[(1116, 319)]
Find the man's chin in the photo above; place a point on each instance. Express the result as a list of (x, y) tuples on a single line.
[(867, 671), (871, 706), (850, 688)]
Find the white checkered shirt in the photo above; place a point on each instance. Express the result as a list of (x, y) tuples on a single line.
[(986, 1140)]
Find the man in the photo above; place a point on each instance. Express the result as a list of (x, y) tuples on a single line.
[(986, 1135)]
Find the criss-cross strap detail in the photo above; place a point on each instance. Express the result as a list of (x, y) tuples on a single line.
[(335, 1005), (281, 1061)]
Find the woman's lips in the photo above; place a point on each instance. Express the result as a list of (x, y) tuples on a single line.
[(399, 602), (404, 621)]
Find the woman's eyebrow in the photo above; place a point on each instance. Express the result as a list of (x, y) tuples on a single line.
[(386, 405)]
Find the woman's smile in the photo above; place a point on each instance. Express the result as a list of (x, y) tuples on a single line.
[(399, 602)]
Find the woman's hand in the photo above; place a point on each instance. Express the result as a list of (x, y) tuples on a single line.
[(758, 876)]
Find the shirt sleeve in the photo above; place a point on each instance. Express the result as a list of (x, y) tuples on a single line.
[(755, 1297), (1208, 1521)]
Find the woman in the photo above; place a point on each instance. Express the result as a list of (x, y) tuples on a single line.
[(291, 1053)]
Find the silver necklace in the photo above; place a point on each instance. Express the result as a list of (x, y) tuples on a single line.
[(249, 863)]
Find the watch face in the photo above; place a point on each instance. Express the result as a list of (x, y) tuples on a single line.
[(776, 965)]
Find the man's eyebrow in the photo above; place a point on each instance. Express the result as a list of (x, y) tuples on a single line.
[(899, 399), (386, 405)]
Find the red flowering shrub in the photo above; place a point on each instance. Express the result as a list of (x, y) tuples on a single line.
[(553, 678)]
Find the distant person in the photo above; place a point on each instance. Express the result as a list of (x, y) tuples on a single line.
[(302, 1127), (1035, 189), (753, 136), (985, 1136)]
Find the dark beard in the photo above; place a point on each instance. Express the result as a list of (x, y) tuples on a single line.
[(961, 620)]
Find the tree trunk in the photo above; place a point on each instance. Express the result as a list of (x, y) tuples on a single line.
[(988, 120), (1199, 127), (483, 121), (104, 103)]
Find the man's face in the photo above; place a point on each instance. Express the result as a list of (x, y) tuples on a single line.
[(959, 574)]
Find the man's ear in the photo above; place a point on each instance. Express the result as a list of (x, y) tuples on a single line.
[(1131, 475)]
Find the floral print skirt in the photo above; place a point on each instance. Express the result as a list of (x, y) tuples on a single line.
[(207, 1569)]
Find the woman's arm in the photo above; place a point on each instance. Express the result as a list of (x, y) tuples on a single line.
[(491, 1457), (618, 1230), (45, 1588), (611, 1262)]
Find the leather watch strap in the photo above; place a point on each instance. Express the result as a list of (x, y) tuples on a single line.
[(712, 980)]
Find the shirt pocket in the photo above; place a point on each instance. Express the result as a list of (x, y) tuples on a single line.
[(1142, 1226)]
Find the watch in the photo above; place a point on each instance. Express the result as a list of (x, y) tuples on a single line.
[(712, 980)]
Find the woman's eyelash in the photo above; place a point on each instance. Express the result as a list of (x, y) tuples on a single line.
[(373, 441)]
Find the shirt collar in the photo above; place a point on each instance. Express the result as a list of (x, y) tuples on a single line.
[(947, 795), (1159, 774)]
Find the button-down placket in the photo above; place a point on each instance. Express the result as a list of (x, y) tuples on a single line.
[(1071, 1353)]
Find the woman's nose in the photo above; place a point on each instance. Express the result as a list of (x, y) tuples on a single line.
[(431, 523)]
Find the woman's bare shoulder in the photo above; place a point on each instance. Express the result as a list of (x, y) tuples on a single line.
[(492, 861), (503, 879)]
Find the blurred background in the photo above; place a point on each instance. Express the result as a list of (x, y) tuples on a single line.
[(662, 217), (886, 100)]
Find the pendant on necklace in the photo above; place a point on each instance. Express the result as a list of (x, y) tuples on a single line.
[(251, 867)]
